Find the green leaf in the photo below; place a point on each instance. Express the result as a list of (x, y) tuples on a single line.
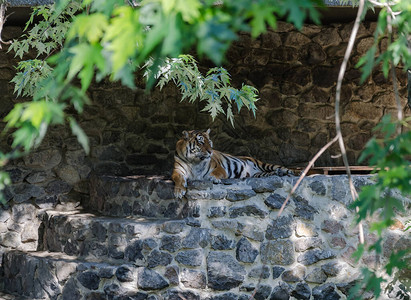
[(85, 57), (79, 133), (359, 252), (91, 27), (123, 37)]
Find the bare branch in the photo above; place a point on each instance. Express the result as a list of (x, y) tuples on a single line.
[(3, 18), (304, 173), (341, 73)]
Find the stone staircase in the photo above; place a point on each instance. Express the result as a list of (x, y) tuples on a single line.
[(133, 240)]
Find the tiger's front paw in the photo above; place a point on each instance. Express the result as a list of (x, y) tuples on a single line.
[(215, 180), (179, 192)]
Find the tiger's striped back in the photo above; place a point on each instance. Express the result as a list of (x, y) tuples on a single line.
[(195, 159)]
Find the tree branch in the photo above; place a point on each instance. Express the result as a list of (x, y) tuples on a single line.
[(304, 173), (3, 18), (341, 73)]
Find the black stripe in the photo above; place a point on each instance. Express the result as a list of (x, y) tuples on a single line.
[(235, 169), (241, 170), (228, 167)]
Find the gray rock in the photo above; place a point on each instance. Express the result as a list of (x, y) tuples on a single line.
[(58, 187), (316, 276), (22, 213), (281, 292), (164, 190), (174, 227), (301, 291), (46, 159), (312, 256), (325, 292), (262, 272), (197, 237), (71, 291), (303, 244), (277, 271), (221, 242), (251, 231), (180, 295), (245, 252), (275, 201), (332, 269), (223, 271), (130, 295), (280, 252), (24, 191), (190, 221), (339, 190), (106, 272), (239, 195), (192, 258), (318, 187), (171, 243), (281, 227), (247, 210), (158, 258), (193, 279), (225, 224), (303, 209), (171, 274), (225, 296), (89, 279), (218, 194), (296, 274), (263, 291), (263, 185), (331, 226), (124, 274), (217, 211), (10, 239), (99, 231), (111, 290), (150, 280)]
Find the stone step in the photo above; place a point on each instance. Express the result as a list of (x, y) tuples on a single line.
[(45, 275), (135, 196), (153, 196), (94, 237)]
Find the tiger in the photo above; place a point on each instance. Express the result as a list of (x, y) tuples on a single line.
[(195, 159)]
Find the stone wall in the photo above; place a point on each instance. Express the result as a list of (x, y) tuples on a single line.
[(224, 242)]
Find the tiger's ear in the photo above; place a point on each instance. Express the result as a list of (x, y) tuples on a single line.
[(208, 131), (185, 135)]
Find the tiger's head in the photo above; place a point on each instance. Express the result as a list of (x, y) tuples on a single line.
[(195, 146)]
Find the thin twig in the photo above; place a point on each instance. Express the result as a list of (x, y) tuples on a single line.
[(304, 173), (394, 75), (341, 73), (3, 18)]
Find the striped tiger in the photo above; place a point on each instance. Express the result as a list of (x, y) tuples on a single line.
[(195, 159)]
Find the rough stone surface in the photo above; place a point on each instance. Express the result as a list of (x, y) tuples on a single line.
[(312, 256), (190, 257), (245, 252), (282, 227), (295, 275), (277, 252), (301, 291), (193, 279), (325, 292), (223, 271), (150, 280)]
